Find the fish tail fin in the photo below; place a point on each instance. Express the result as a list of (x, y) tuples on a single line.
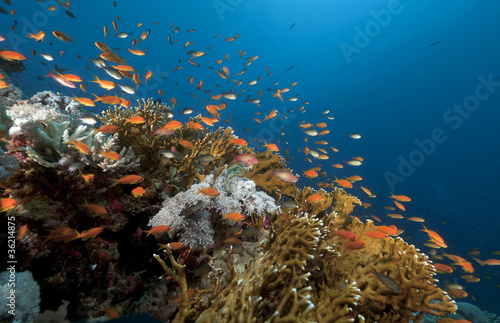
[(115, 182)]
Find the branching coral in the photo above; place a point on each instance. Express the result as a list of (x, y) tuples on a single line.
[(216, 143), (140, 136)]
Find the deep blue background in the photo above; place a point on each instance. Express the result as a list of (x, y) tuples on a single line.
[(394, 90)]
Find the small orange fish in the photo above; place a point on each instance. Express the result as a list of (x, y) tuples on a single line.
[(11, 56), (86, 177), (233, 216), (208, 191), (89, 234), (38, 36), (239, 142), (22, 231), (346, 235), (82, 147), (159, 229), (375, 234), (337, 166), (138, 191), (97, 209), (311, 173), (442, 269), (135, 120), (400, 206), (358, 244), (129, 179), (7, 204), (271, 147), (416, 219), (173, 125), (107, 85), (186, 144), (113, 155), (194, 125), (314, 198), (108, 129), (400, 198), (343, 183), (136, 52), (367, 191)]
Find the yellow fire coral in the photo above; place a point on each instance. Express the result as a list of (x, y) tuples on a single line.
[(307, 275), (139, 136)]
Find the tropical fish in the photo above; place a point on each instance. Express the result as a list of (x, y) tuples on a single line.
[(128, 179), (208, 191), (388, 282), (7, 204), (159, 229), (233, 216)]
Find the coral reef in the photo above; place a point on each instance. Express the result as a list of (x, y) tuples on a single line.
[(470, 312), (186, 215), (5, 122), (140, 137), (8, 165), (52, 148), (39, 111), (26, 300)]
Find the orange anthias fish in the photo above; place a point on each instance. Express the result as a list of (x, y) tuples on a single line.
[(400, 206), (107, 85), (135, 120), (173, 125), (271, 147), (138, 191), (442, 269), (129, 179), (86, 177), (343, 183), (108, 129), (7, 204), (233, 216), (186, 144), (314, 198), (208, 191), (64, 234), (358, 244), (11, 56), (400, 198), (433, 235), (89, 234), (171, 245), (110, 154), (22, 231), (159, 229), (97, 209), (38, 36), (311, 173), (346, 235), (82, 147), (239, 142), (375, 234)]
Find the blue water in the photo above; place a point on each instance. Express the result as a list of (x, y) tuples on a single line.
[(371, 63)]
